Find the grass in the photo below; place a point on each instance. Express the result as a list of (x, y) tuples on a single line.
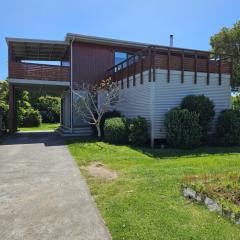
[(146, 202), (224, 188), (43, 126)]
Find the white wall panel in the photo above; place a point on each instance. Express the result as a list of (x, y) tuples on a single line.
[(152, 100)]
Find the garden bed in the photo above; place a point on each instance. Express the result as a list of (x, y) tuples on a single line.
[(218, 192)]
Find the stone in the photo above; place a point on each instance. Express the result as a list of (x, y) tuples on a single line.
[(199, 198), (212, 205), (238, 221), (188, 192)]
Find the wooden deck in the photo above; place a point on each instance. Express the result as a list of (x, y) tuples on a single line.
[(152, 58), (30, 71)]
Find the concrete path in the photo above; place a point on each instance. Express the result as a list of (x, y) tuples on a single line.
[(42, 193)]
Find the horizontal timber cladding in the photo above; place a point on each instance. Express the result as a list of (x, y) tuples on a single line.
[(152, 100), (150, 58), (135, 100), (91, 61), (34, 71), (169, 95)]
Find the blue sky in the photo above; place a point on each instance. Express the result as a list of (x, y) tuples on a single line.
[(191, 21)]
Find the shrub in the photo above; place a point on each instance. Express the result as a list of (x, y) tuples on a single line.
[(236, 103), (115, 130), (4, 113), (138, 131), (4, 94), (32, 118), (107, 115), (183, 129), (228, 127), (203, 106), (49, 108)]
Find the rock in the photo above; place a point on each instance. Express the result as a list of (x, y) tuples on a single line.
[(238, 221), (198, 198), (227, 213), (212, 205), (188, 192)]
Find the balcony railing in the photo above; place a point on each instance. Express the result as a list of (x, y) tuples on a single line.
[(34, 71), (152, 58)]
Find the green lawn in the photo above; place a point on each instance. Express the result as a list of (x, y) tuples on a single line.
[(145, 202), (43, 126)]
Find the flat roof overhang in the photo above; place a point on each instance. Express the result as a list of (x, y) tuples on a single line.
[(38, 50), (27, 84)]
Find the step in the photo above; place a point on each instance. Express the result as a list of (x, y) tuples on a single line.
[(83, 131)]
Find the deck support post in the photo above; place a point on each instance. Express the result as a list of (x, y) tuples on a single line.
[(220, 70), (208, 69), (12, 109), (195, 67), (182, 67), (168, 65)]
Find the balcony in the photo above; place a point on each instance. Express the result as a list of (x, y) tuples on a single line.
[(28, 62), (30, 71), (184, 60)]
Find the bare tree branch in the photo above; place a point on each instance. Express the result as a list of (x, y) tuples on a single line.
[(87, 103)]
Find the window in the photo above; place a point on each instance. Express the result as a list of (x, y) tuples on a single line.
[(120, 56)]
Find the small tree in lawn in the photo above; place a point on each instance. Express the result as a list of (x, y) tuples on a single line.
[(87, 103)]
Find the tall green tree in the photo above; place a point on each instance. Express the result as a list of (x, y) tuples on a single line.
[(25, 112), (4, 93), (228, 41)]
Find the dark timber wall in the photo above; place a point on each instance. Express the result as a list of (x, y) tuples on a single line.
[(91, 61)]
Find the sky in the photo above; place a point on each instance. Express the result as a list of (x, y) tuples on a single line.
[(192, 22)]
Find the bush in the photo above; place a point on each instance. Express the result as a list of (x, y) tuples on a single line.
[(236, 103), (138, 131), (49, 108), (228, 128), (107, 115), (4, 94), (32, 118), (203, 106), (115, 130), (4, 113), (183, 128)]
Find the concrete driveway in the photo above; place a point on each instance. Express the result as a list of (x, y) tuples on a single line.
[(42, 193)]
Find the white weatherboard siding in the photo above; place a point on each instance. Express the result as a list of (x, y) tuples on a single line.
[(136, 100), (152, 100), (169, 95)]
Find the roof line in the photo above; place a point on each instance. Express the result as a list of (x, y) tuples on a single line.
[(111, 41), (28, 40)]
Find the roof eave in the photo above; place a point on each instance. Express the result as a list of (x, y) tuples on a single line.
[(105, 41), (27, 40)]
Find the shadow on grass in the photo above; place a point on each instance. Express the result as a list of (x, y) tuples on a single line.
[(168, 152), (175, 153)]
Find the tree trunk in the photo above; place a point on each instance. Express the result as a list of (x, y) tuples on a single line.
[(98, 130)]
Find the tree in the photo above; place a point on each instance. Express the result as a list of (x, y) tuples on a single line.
[(4, 93), (87, 105), (227, 41), (24, 108)]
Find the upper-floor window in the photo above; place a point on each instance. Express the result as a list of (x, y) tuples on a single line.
[(120, 56)]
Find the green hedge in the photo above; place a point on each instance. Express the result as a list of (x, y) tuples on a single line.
[(115, 130), (138, 131), (32, 118), (204, 107), (49, 108), (228, 128), (183, 128)]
